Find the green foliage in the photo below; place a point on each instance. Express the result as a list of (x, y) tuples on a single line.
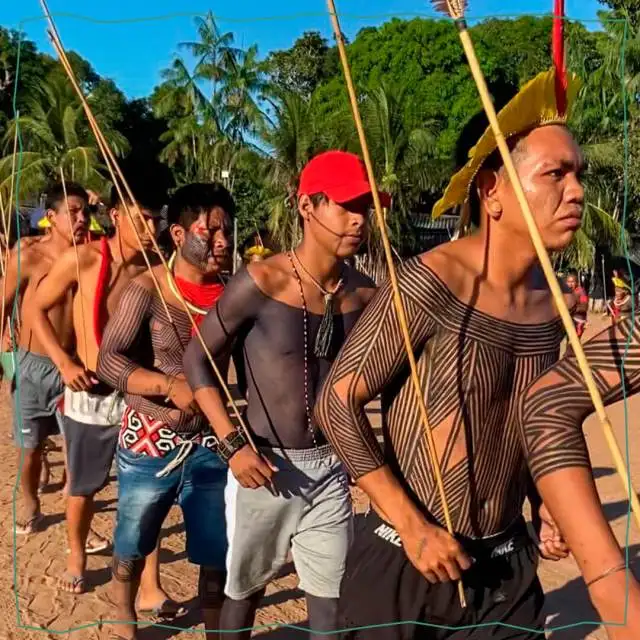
[(261, 120)]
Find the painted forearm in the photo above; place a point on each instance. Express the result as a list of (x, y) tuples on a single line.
[(554, 407), (143, 382)]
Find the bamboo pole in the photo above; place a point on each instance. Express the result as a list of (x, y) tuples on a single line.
[(114, 169), (402, 318)]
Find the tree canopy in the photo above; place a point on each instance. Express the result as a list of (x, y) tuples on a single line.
[(254, 121)]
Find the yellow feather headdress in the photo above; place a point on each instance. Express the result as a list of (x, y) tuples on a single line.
[(535, 105), (94, 225)]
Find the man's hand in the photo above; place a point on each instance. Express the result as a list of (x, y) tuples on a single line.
[(551, 543), (9, 340), (438, 556), (76, 377), (250, 469), (182, 396)]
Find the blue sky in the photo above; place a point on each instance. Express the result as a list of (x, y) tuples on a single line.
[(134, 53)]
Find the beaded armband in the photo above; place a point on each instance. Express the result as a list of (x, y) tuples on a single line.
[(229, 446)]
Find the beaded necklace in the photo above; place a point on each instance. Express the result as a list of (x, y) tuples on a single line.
[(305, 319), (305, 315)]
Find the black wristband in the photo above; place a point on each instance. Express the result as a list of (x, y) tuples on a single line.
[(230, 445)]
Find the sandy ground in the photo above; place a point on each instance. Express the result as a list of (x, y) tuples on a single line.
[(34, 564)]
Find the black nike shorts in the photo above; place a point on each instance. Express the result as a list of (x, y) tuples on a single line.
[(381, 588)]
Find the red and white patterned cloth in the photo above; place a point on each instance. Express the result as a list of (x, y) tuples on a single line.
[(148, 436)]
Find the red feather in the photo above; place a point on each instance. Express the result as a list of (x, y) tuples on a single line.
[(559, 56)]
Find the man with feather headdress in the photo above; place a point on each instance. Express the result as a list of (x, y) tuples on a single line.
[(483, 326)]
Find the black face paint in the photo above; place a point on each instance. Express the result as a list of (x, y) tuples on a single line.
[(196, 250)]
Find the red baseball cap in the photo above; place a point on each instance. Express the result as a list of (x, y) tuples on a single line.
[(340, 175)]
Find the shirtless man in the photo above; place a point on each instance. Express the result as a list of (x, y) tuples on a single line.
[(289, 315), (483, 324), (582, 305), (37, 387), (166, 451), (92, 411)]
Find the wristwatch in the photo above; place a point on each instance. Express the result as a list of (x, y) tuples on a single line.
[(229, 446)]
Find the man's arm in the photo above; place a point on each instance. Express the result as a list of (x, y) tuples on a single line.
[(238, 304), (51, 291), (372, 356), (17, 275), (551, 415)]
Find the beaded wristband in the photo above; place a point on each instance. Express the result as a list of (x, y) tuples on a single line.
[(229, 446)]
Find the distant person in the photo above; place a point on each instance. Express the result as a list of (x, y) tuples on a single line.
[(582, 301), (621, 307)]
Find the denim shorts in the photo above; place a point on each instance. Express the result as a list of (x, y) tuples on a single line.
[(144, 501)]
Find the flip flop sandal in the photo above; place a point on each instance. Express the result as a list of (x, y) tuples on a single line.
[(75, 582), (29, 526), (92, 549), (168, 609)]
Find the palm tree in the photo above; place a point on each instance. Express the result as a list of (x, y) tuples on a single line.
[(599, 229), (55, 135), (237, 101), (217, 57), (291, 136), (404, 155)]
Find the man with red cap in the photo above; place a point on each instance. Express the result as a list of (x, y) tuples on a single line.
[(289, 314)]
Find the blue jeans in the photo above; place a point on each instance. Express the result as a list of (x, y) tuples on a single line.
[(144, 501)]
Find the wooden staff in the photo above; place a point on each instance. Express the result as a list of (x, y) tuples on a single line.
[(402, 318), (75, 246), (114, 169), (455, 9)]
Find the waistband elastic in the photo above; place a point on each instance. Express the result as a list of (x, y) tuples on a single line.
[(514, 538), (22, 354), (313, 454)]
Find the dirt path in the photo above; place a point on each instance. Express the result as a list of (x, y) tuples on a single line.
[(40, 559)]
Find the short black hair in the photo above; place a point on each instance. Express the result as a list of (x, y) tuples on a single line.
[(55, 194), (192, 200)]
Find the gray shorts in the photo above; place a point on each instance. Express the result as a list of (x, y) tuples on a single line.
[(311, 516), (91, 426), (90, 453), (36, 390)]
